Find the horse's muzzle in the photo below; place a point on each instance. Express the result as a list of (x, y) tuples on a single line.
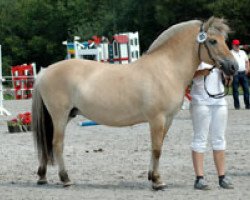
[(229, 66)]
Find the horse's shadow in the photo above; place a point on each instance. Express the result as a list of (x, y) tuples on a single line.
[(122, 185), (239, 173)]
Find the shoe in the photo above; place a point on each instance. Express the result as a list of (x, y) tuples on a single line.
[(201, 184), (247, 107), (236, 108), (226, 183)]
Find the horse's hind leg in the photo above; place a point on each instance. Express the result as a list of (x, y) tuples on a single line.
[(159, 128), (59, 131), (42, 170)]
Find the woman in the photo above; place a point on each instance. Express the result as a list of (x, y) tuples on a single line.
[(209, 115)]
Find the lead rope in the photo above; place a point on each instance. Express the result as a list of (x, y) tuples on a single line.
[(219, 95)]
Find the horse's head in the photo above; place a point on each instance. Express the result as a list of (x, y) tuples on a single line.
[(212, 46)]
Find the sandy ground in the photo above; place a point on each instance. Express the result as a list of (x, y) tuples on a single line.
[(120, 170)]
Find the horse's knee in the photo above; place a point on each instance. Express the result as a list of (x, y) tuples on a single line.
[(157, 154)]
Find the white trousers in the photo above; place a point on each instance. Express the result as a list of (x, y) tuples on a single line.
[(209, 119)]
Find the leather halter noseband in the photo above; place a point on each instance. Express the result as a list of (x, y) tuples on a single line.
[(201, 39)]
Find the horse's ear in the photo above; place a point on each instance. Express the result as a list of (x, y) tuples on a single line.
[(218, 24), (208, 23)]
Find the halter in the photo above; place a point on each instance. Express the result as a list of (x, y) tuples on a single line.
[(201, 39)]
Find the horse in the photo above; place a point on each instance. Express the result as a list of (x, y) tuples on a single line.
[(150, 90)]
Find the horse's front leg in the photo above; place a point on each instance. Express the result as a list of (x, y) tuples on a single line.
[(158, 130)]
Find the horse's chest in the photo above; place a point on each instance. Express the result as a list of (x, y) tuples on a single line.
[(172, 101)]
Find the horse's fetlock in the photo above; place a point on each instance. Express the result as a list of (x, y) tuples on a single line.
[(41, 171), (156, 177), (64, 176)]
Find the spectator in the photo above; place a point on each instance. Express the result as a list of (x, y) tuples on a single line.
[(241, 77)]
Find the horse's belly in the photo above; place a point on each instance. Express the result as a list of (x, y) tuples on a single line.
[(112, 115)]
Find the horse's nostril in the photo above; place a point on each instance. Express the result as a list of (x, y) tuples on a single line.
[(233, 68)]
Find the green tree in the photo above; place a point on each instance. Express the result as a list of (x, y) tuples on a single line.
[(169, 12), (33, 30), (237, 13)]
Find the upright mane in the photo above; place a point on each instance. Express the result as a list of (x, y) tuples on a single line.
[(217, 26), (165, 35), (213, 26)]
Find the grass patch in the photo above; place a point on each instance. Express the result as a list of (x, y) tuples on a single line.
[(8, 97), (231, 90)]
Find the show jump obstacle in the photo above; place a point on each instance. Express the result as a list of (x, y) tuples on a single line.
[(22, 78), (124, 48)]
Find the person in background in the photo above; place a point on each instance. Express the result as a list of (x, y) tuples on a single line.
[(241, 77), (209, 116)]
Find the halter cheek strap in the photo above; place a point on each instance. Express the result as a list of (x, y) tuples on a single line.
[(202, 40)]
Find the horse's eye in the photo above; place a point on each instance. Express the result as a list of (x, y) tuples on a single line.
[(213, 42)]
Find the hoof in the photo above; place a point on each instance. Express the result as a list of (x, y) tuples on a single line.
[(159, 186), (67, 184), (42, 182)]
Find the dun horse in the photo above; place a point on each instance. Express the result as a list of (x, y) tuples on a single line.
[(148, 90)]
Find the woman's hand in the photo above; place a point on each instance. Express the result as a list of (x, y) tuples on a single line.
[(206, 72), (203, 72)]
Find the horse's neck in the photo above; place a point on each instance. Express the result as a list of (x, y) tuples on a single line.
[(179, 56), (185, 61)]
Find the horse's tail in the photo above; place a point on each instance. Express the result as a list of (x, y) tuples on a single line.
[(42, 126)]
